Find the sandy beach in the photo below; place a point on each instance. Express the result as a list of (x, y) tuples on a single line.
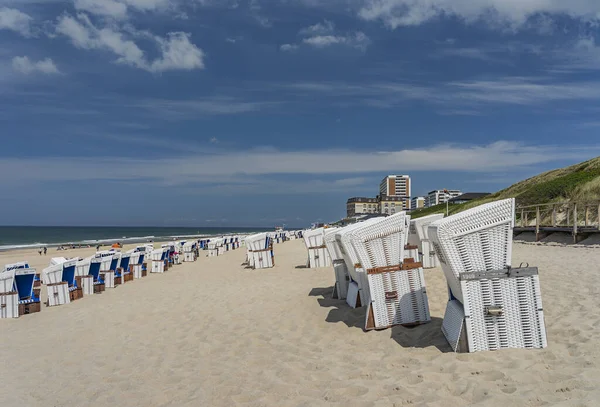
[(211, 333)]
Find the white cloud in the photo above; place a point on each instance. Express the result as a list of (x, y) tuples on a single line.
[(322, 35), (288, 47), (357, 40), (108, 8), (118, 9), (511, 14), (15, 20), (454, 95), (176, 51), (180, 109), (489, 158), (324, 28), (25, 66)]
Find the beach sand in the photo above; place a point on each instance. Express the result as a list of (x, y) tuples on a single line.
[(211, 333)]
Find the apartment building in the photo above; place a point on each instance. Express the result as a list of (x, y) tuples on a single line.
[(440, 196), (361, 206), (417, 202), (395, 185)]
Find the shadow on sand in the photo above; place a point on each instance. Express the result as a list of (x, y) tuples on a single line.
[(420, 336)]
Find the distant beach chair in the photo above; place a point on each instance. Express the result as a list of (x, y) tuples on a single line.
[(260, 251), (396, 285), (318, 256), (418, 236), (83, 277), (342, 279), (24, 284), (58, 290), (136, 262), (188, 252), (9, 298), (123, 267), (107, 275), (492, 305), (158, 257), (68, 276), (99, 284)]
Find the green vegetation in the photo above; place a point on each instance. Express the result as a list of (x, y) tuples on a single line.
[(580, 182)]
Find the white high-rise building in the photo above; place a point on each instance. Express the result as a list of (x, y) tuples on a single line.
[(417, 202), (441, 196), (395, 185)]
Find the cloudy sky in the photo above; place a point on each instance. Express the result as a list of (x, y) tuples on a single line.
[(256, 112)]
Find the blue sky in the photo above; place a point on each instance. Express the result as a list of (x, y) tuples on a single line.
[(206, 112)]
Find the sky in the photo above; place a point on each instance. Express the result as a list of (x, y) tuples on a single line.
[(263, 112)]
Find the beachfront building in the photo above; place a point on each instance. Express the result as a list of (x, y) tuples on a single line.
[(395, 185), (361, 206), (467, 197), (417, 202), (440, 196), (389, 205)]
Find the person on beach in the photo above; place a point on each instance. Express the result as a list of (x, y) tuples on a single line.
[(45, 250), (40, 251)]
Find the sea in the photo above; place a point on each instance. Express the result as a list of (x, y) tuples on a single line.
[(23, 237)]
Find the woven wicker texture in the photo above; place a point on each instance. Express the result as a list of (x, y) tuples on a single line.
[(477, 239), (453, 323), (521, 324), (380, 243), (332, 246), (399, 297)]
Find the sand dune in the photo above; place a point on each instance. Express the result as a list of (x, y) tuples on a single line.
[(212, 333)]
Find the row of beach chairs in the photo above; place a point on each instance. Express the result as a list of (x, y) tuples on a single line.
[(67, 280), (379, 264)]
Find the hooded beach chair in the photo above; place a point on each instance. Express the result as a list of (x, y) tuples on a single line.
[(188, 252), (136, 263), (158, 257), (58, 290), (396, 285), (83, 277), (260, 251), (98, 282), (318, 256), (105, 259), (357, 294), (342, 279), (418, 236), (492, 305), (123, 268), (68, 276), (29, 296), (9, 298)]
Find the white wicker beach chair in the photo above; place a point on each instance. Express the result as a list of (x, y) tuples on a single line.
[(418, 236), (342, 279), (58, 290), (358, 293), (397, 294), (492, 305), (158, 260), (260, 251), (9, 298), (318, 256)]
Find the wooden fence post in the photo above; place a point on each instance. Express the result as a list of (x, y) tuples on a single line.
[(537, 222), (523, 217), (575, 223), (586, 215), (553, 216)]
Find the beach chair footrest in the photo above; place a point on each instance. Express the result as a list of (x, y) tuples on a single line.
[(30, 308)]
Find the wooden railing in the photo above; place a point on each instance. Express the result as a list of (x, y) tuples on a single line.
[(580, 218)]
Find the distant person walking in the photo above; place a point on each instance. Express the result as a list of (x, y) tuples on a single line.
[(45, 250), (40, 251)]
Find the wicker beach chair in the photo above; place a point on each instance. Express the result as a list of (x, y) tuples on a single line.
[(318, 256), (158, 257), (396, 285), (58, 290), (260, 251), (9, 298), (492, 305), (342, 279), (357, 294), (418, 237)]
